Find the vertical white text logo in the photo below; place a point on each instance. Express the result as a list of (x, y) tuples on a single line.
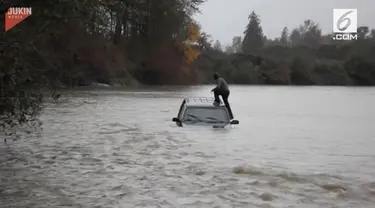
[(345, 24)]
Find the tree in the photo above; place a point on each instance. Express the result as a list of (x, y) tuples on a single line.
[(253, 39), (192, 39), (362, 32), (310, 33), (205, 41), (284, 36), (217, 46), (372, 34), (272, 42), (236, 44), (229, 49), (295, 37)]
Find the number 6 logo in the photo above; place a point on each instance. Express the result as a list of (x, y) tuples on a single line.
[(342, 19)]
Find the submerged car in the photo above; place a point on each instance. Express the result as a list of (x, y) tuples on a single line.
[(201, 111)]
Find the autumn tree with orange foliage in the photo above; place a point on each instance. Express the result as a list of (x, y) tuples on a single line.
[(190, 44)]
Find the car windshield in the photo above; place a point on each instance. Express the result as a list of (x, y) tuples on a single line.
[(202, 114)]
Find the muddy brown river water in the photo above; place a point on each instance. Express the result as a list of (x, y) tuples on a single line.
[(302, 147)]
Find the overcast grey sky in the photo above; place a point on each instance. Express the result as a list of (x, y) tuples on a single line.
[(224, 19)]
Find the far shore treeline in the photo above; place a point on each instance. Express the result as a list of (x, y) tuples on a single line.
[(149, 42)]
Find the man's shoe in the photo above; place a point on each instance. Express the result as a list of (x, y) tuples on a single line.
[(216, 103)]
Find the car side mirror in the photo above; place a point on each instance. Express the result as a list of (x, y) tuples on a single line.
[(234, 122), (178, 121)]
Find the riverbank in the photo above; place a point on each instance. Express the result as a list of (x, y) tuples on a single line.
[(351, 64)]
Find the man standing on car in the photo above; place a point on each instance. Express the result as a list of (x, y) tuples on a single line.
[(223, 90)]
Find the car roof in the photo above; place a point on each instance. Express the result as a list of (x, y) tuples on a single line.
[(200, 102)]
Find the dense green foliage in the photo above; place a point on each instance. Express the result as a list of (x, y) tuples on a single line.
[(74, 43)]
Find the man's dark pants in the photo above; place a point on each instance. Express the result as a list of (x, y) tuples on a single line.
[(224, 94)]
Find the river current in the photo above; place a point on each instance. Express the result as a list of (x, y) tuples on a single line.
[(303, 147)]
